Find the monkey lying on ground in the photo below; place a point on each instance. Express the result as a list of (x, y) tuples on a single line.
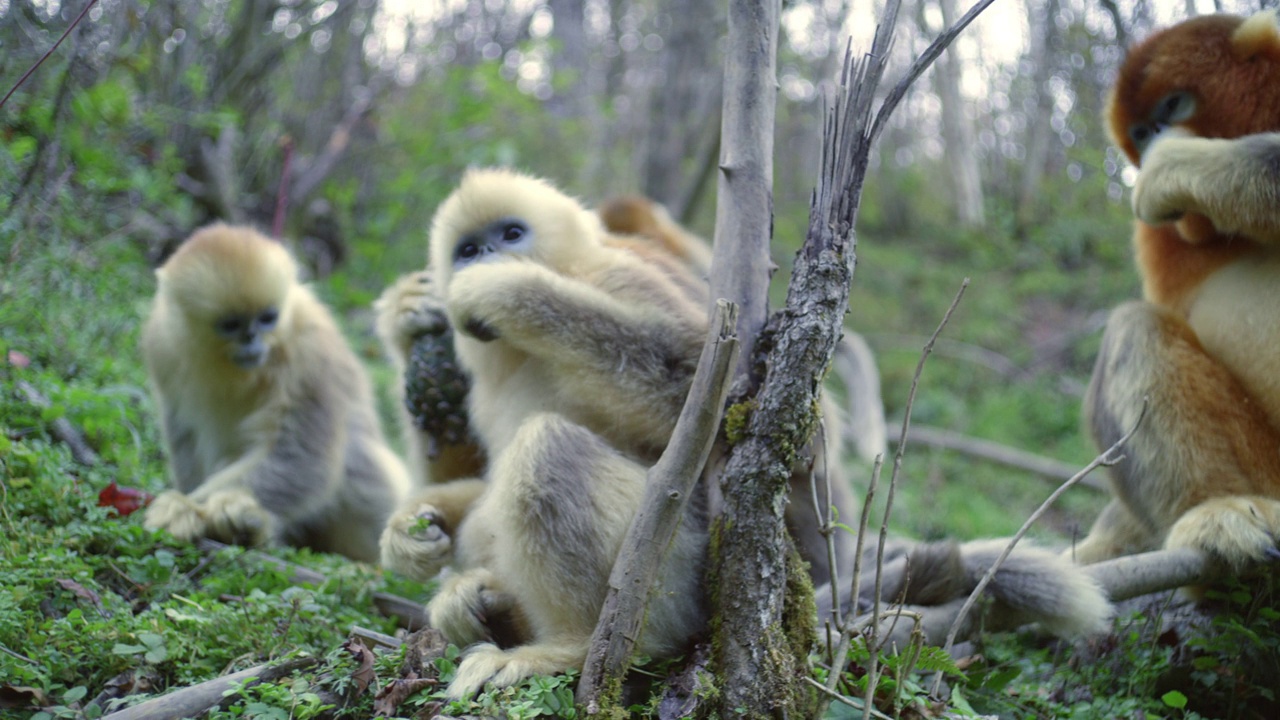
[(1197, 108), (580, 353), (267, 416)]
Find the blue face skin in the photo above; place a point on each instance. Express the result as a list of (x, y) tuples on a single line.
[(1173, 108), (247, 333), (506, 235)]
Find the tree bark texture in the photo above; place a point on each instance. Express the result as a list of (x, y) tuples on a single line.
[(741, 267), (959, 146)]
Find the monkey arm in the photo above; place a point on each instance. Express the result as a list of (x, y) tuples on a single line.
[(297, 463), (180, 441), (639, 334), (1234, 183)]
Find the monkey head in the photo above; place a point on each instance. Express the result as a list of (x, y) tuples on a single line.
[(500, 215), (233, 285), (1216, 76)]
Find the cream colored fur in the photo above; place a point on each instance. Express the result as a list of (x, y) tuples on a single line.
[(289, 451)]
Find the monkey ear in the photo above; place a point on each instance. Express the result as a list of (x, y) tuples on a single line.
[(1259, 33)]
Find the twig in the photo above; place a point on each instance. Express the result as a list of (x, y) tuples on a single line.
[(194, 700), (1002, 454), (855, 704), (44, 57), (921, 64), (61, 428), (1110, 457), (668, 487), (893, 482)]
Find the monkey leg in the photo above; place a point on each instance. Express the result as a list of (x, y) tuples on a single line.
[(1202, 437), (418, 538), (558, 508)]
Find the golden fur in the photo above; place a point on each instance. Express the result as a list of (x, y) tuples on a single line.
[(271, 432), (1204, 346), (580, 354)]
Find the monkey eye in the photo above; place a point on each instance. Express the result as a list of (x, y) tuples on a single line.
[(513, 232), (228, 325), (467, 251), (1176, 107), (1141, 134), (268, 317)]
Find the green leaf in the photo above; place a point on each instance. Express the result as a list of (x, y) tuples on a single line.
[(74, 694), (1174, 699), (122, 649)]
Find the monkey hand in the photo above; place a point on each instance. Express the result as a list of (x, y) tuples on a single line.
[(416, 544), (231, 516), (487, 298), (235, 516), (409, 309), (177, 513), (462, 607), (1239, 530), (1170, 167)]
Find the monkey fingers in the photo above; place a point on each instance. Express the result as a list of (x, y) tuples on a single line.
[(417, 543), (1239, 530), (180, 515), (409, 309), (1233, 183), (489, 664), (463, 606), (236, 516)]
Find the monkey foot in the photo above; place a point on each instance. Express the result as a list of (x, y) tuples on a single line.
[(1239, 530)]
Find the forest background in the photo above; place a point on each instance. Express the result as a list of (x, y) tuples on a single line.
[(340, 125)]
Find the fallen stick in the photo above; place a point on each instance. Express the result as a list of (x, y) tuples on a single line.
[(193, 700)]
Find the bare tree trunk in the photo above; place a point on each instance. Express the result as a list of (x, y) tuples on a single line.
[(1044, 44), (957, 134), (741, 267), (570, 31), (686, 93)]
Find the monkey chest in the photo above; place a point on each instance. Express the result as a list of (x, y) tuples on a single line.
[(1236, 316)]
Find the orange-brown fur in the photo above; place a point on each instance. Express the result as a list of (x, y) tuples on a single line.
[(1203, 350)]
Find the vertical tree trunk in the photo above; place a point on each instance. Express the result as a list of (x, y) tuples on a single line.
[(680, 103), (957, 134), (1044, 42)]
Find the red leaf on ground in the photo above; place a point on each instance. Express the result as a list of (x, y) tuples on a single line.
[(124, 499), (17, 359)]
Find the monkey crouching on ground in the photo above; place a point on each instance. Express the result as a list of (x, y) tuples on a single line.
[(267, 416), (1197, 108)]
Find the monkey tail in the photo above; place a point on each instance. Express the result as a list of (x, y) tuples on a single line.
[(1036, 585), (931, 581)]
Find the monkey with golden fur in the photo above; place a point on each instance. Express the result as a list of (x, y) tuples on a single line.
[(267, 415), (1197, 108), (581, 353)]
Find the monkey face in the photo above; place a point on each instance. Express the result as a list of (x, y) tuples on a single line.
[(498, 214), (492, 241), (1215, 76), (247, 336)]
